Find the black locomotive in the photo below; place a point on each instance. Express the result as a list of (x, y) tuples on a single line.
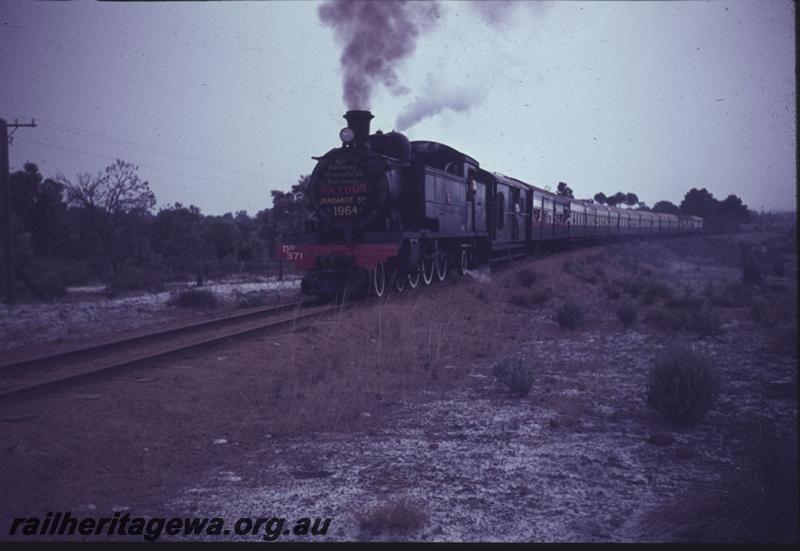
[(389, 212)]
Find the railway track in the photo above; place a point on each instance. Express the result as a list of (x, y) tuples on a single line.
[(38, 375)]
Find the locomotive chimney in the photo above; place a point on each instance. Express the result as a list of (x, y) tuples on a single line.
[(358, 122)]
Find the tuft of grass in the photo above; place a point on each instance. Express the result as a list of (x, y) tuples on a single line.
[(516, 374), (682, 386), (531, 299), (686, 302), (613, 290), (134, 279), (50, 285), (776, 288), (583, 270), (627, 313), (570, 314), (705, 322), (754, 501), (733, 295), (648, 290), (773, 313), (526, 277), (684, 315), (251, 299), (654, 290), (401, 515), (194, 298), (751, 273)]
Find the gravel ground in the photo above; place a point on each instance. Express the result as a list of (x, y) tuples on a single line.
[(571, 462), (86, 313)]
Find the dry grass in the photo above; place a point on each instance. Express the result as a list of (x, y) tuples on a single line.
[(194, 298), (400, 516), (333, 372), (754, 501)]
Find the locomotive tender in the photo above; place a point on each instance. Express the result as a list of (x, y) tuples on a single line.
[(389, 212)]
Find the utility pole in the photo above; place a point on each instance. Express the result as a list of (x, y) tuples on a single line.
[(8, 244)]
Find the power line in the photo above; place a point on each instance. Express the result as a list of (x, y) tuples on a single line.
[(150, 149), (150, 167), (92, 135)]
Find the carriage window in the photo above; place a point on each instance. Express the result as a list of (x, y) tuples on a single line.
[(501, 200)]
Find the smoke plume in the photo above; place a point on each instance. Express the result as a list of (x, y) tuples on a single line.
[(501, 12), (437, 98), (376, 37)]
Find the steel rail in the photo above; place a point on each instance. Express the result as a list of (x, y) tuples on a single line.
[(40, 361), (138, 361)]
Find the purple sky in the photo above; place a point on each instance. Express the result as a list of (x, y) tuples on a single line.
[(220, 103)]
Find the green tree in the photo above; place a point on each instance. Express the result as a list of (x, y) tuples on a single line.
[(40, 210), (222, 235), (176, 238), (114, 205), (617, 199), (666, 207), (699, 202), (564, 190)]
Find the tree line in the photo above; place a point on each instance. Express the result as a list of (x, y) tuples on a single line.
[(719, 216), (103, 227)]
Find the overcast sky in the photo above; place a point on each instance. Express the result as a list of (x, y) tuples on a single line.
[(220, 103)]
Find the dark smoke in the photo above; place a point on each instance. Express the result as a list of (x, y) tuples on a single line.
[(376, 36)]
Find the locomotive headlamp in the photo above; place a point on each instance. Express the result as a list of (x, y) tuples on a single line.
[(347, 135)]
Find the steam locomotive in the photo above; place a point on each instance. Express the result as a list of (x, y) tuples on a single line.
[(392, 213)]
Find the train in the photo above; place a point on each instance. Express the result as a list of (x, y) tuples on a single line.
[(387, 213)]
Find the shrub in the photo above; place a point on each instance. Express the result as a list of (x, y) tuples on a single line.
[(194, 298), (526, 278), (632, 287), (627, 312), (402, 515), (50, 285), (686, 302), (134, 279), (754, 501), (612, 291), (682, 385), (653, 290), (665, 318), (705, 322), (251, 299), (777, 288), (772, 313), (570, 314), (531, 299), (751, 274), (733, 295), (515, 374)]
